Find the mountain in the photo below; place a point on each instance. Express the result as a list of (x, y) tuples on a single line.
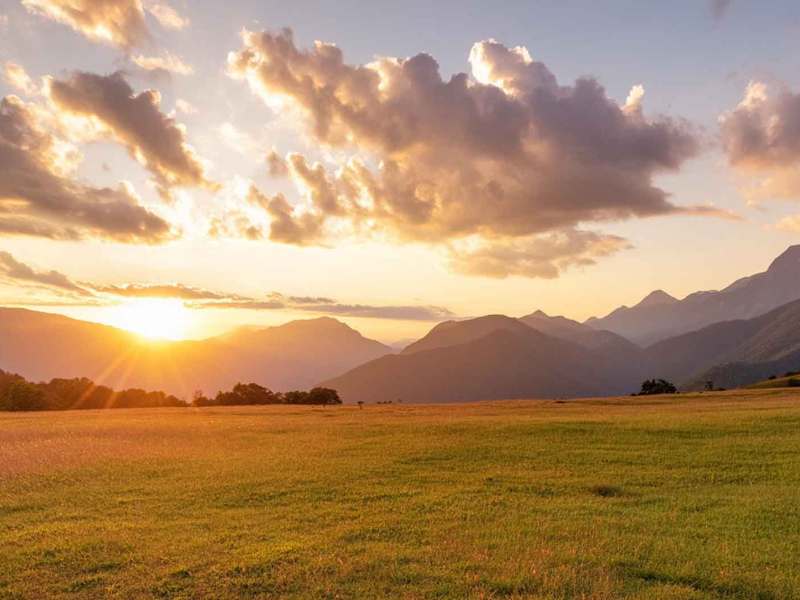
[(453, 333), (731, 353), (486, 358), (41, 346), (660, 316), (573, 331)]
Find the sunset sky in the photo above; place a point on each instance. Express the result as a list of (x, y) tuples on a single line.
[(213, 164)]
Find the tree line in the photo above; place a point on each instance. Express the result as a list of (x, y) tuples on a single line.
[(19, 394), (254, 394)]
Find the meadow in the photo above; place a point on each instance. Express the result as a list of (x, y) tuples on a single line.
[(684, 497)]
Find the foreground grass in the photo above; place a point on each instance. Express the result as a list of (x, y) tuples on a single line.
[(688, 497)]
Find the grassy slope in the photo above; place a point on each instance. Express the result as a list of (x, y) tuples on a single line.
[(687, 497), (779, 382)]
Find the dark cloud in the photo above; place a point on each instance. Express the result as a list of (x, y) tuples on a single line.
[(41, 197), (507, 153), (13, 270), (156, 140), (761, 137)]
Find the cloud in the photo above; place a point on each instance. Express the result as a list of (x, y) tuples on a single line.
[(276, 165), (17, 77), (185, 107), (175, 290), (719, 8), (504, 154), (167, 16), (154, 139), (790, 224), (120, 23), (543, 256), (205, 299), (761, 138), (289, 225), (328, 306), (39, 196), (16, 271), (168, 62)]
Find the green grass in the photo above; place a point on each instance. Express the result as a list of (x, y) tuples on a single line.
[(686, 497)]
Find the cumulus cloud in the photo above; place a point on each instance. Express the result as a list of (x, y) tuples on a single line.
[(39, 196), (118, 22), (167, 62), (276, 165), (121, 23), (761, 138), (17, 272), (507, 152), (288, 225), (543, 256), (154, 139), (17, 77)]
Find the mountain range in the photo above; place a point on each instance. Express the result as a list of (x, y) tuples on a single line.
[(296, 355), (741, 334), (660, 316)]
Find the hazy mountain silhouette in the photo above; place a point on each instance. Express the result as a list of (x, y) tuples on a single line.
[(485, 358), (573, 331), (41, 346), (660, 316), (732, 353)]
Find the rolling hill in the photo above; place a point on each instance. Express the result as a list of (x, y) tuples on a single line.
[(41, 346), (660, 316)]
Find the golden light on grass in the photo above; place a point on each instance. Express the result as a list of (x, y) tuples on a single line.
[(153, 318)]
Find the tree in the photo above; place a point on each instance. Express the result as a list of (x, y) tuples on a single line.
[(247, 394), (324, 396), (657, 386), (22, 395)]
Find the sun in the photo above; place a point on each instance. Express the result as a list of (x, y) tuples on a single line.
[(154, 318)]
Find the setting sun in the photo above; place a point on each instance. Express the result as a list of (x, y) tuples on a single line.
[(155, 318)]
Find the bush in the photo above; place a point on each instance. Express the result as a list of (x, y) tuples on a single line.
[(657, 386)]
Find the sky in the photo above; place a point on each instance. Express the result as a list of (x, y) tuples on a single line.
[(185, 167)]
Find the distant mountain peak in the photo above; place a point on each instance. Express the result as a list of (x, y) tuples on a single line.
[(789, 260), (656, 298)]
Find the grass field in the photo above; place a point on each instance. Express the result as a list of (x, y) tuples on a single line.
[(695, 496)]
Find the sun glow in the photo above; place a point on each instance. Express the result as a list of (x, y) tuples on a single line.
[(154, 318)]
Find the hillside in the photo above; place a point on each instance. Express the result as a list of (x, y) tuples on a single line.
[(41, 346), (732, 353), (573, 331), (660, 316), (481, 359)]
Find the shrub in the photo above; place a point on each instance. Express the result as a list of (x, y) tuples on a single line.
[(657, 386)]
